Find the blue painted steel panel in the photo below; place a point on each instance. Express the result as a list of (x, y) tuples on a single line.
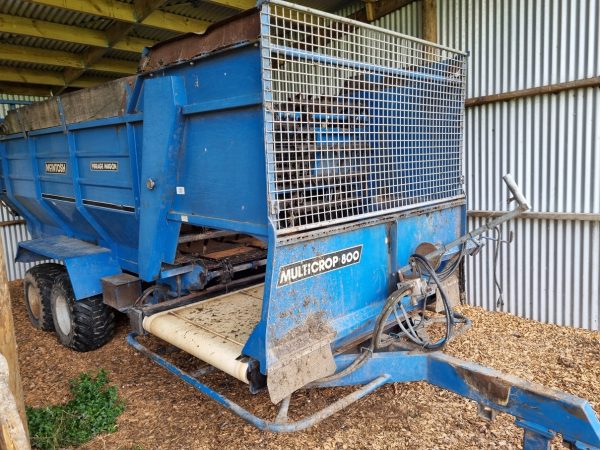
[(223, 172), (349, 298), (163, 131), (85, 262), (110, 207), (59, 247), (88, 271)]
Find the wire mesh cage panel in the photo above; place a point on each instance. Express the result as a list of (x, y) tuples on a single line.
[(360, 121)]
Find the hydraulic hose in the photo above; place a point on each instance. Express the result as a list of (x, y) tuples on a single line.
[(423, 264), (405, 289), (364, 356), (452, 265)]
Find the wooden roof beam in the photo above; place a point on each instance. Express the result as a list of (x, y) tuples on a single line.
[(27, 76), (112, 9), (114, 33), (24, 54), (25, 89), (242, 5), (376, 9), (68, 33)]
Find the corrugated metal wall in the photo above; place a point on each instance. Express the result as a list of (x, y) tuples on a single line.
[(15, 233), (551, 272), (550, 143)]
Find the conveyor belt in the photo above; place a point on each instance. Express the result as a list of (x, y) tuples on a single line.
[(214, 330)]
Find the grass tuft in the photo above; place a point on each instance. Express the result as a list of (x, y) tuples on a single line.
[(93, 410)]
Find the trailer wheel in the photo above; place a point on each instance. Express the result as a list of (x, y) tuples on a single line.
[(37, 285), (82, 325)]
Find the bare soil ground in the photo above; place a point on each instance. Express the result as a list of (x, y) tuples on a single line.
[(165, 413)]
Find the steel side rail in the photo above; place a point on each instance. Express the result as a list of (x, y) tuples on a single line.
[(541, 411), (277, 427)]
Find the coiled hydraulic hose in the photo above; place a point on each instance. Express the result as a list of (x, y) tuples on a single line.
[(422, 264), (452, 264), (451, 317)]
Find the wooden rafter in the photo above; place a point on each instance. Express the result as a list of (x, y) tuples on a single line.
[(375, 9), (21, 53), (124, 15), (241, 5), (124, 12), (45, 77), (67, 33), (114, 33), (25, 89)]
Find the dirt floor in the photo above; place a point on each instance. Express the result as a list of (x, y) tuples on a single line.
[(165, 413)]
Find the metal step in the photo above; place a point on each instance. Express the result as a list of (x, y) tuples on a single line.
[(213, 330)]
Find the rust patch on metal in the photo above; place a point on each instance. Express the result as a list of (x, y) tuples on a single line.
[(494, 389), (566, 401), (576, 411), (244, 27)]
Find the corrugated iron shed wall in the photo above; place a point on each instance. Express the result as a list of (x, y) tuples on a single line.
[(13, 234), (549, 142)]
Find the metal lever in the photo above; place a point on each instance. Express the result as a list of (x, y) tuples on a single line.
[(516, 192), (472, 235)]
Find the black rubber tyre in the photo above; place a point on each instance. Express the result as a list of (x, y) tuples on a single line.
[(82, 325), (37, 285)]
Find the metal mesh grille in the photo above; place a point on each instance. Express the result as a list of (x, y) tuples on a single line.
[(360, 121)]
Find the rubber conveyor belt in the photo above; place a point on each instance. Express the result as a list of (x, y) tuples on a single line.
[(214, 330)]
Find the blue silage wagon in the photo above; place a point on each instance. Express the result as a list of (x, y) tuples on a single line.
[(281, 197)]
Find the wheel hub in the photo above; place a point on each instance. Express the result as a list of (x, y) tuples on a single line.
[(34, 301), (63, 314)]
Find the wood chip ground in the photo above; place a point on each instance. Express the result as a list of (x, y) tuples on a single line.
[(165, 413)]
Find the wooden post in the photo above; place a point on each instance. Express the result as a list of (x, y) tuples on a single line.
[(13, 426), (13, 435), (430, 21)]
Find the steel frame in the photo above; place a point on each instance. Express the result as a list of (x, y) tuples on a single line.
[(540, 411)]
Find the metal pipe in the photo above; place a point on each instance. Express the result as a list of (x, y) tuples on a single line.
[(315, 57), (262, 424), (203, 236), (521, 208), (284, 406), (356, 23), (516, 192)]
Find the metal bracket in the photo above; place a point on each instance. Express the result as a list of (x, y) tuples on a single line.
[(535, 437), (485, 412)]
